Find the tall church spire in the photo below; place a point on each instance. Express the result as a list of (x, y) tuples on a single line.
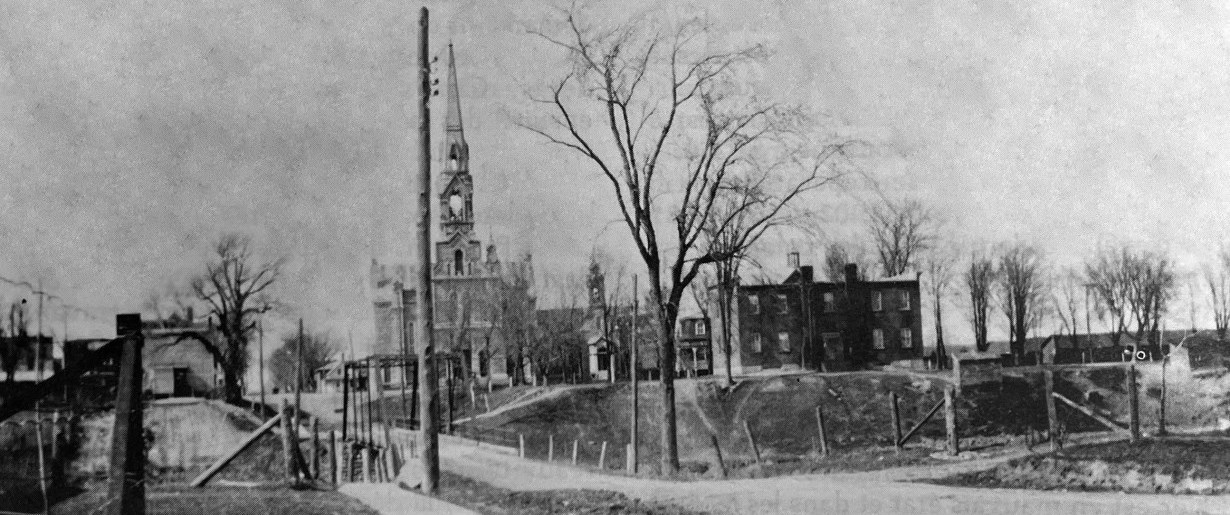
[(453, 118), (456, 195)]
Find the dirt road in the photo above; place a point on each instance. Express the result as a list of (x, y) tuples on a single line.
[(870, 492)]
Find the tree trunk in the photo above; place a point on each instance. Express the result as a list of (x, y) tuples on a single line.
[(230, 384), (724, 311), (668, 310), (941, 354)]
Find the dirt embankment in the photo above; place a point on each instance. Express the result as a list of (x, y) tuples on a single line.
[(185, 436), (780, 413)]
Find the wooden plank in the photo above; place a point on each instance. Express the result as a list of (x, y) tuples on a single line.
[(717, 449), (824, 440), (1101, 420), (751, 440), (225, 460), (910, 433), (896, 420)]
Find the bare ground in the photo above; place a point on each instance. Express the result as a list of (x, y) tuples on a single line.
[(866, 492)]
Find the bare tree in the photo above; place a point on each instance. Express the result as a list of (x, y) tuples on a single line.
[(517, 306), (902, 230), (1067, 300), (234, 287), (837, 255), (1218, 280), (655, 88), (317, 349), (1022, 291), (559, 332), (1133, 288), (1107, 273), (1151, 282), (939, 265), (979, 280)]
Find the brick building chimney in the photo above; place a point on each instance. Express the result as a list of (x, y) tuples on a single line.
[(851, 273)]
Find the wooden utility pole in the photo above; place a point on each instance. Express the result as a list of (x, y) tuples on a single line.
[(345, 395), (126, 490), (423, 337), (635, 440), (298, 371), (260, 342)]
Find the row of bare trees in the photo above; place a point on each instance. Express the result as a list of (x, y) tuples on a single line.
[(1126, 288)]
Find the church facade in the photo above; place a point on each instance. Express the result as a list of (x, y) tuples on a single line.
[(483, 306)]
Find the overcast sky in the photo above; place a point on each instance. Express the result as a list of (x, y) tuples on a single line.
[(133, 134)]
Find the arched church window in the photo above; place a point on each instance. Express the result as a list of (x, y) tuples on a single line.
[(458, 258), (454, 155), (454, 205)]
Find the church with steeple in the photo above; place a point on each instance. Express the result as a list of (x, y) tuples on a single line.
[(482, 306)]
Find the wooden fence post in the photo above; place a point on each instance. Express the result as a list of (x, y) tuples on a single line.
[(1052, 415), (602, 456), (575, 444), (628, 458), (550, 447), (314, 463), (950, 421), (390, 463), (717, 449), (1133, 404), (824, 440), (751, 440), (55, 436), (366, 456), (288, 441), (521, 445), (896, 420), (334, 462)]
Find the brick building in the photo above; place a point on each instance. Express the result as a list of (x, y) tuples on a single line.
[(805, 324), (481, 305)]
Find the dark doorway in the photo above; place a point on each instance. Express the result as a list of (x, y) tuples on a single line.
[(182, 387)]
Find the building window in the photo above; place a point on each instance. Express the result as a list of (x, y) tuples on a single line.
[(700, 328), (454, 155), (907, 338), (604, 359), (877, 301), (757, 344), (386, 374), (783, 342), (832, 346), (458, 258), (877, 339), (830, 302), (782, 306), (905, 300), (754, 301)]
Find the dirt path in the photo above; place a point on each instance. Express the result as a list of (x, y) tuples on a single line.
[(868, 492)]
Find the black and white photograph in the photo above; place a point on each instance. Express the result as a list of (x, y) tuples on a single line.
[(673, 257)]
